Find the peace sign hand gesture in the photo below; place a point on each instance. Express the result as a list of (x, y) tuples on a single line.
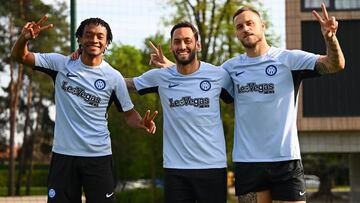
[(157, 57), (147, 122), (31, 30), (328, 25)]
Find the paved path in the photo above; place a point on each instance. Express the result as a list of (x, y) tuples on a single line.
[(25, 199), (232, 199)]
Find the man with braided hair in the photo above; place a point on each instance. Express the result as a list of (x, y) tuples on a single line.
[(84, 89)]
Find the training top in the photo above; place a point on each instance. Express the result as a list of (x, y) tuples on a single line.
[(83, 95), (193, 136), (266, 95)]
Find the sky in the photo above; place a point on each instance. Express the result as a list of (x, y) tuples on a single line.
[(132, 21)]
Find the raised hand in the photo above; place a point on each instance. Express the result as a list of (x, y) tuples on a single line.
[(31, 30), (76, 54), (157, 57), (148, 123), (328, 25)]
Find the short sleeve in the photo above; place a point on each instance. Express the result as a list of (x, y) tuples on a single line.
[(148, 81), (299, 60), (122, 94), (227, 92), (52, 61)]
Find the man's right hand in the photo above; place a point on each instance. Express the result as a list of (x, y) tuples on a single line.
[(31, 30), (76, 54), (157, 57)]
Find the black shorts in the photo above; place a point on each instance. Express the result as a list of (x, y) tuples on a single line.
[(195, 185), (284, 179), (68, 175)]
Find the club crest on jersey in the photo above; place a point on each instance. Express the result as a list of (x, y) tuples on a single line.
[(270, 70), (205, 85), (51, 193), (100, 84)]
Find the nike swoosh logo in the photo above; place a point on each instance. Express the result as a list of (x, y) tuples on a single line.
[(239, 73), (173, 85), (302, 193), (109, 195), (69, 75)]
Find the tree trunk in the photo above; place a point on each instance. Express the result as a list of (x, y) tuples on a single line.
[(32, 143), (12, 132), (14, 100), (22, 158)]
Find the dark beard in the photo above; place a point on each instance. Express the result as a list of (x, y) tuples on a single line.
[(187, 61)]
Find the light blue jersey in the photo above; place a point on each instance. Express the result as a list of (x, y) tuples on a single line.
[(193, 131), (265, 94), (82, 97)]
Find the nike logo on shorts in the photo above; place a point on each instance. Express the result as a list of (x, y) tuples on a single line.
[(109, 195), (302, 193)]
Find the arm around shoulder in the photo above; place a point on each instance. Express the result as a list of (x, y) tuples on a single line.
[(130, 85)]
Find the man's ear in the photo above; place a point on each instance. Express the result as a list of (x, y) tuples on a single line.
[(263, 25), (198, 46), (79, 44)]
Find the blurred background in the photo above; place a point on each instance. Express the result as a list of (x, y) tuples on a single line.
[(329, 110)]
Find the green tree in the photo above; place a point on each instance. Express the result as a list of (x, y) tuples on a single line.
[(136, 154), (13, 16)]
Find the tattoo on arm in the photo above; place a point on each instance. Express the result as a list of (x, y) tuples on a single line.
[(321, 68), (334, 59), (130, 85), (248, 198)]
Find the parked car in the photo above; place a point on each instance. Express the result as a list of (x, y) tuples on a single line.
[(135, 184), (312, 182)]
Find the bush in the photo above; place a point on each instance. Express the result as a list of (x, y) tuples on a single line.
[(3, 178), (39, 178)]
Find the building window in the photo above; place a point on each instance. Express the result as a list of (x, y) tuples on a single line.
[(347, 4), (314, 4), (331, 5)]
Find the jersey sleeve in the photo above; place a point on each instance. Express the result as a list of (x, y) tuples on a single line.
[(300, 60), (227, 92), (123, 100), (147, 82), (52, 61)]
